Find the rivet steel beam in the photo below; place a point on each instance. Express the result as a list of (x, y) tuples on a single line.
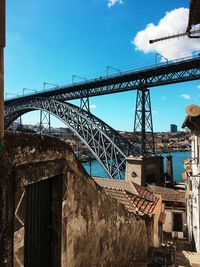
[(143, 125), (106, 144), (186, 70), (45, 122)]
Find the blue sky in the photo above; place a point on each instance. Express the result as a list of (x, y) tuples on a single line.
[(49, 41)]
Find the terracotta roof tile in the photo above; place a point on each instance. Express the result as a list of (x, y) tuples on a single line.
[(116, 184), (144, 192), (122, 197), (167, 194), (135, 198)]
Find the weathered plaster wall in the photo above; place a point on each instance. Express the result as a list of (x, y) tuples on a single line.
[(167, 227), (145, 168), (157, 224), (96, 229), (100, 231)]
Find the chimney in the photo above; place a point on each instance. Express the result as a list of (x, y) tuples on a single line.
[(2, 45), (169, 168)]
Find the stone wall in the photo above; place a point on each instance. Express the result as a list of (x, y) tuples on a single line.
[(96, 229)]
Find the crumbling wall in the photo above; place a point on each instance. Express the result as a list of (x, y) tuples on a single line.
[(100, 231), (96, 229)]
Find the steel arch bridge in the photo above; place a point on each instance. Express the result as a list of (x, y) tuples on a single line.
[(107, 146)]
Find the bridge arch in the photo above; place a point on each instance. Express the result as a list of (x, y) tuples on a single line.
[(107, 146)]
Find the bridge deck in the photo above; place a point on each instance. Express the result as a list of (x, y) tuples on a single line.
[(182, 71)]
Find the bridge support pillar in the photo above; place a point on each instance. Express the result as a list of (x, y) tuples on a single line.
[(143, 125), (85, 104), (45, 122)]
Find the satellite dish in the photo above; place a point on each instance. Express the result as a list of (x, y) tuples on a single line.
[(193, 110)]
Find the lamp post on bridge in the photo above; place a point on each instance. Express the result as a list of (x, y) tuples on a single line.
[(84, 101), (79, 77), (11, 94), (45, 83), (2, 45), (110, 67), (161, 56), (24, 89)]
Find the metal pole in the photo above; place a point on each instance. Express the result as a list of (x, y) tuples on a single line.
[(143, 122), (175, 36), (29, 90), (2, 45), (90, 165), (45, 83), (110, 67), (151, 123), (1, 93)]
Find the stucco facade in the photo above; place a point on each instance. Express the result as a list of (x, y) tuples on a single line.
[(193, 194)]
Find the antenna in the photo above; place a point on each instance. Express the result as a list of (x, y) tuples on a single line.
[(190, 34)]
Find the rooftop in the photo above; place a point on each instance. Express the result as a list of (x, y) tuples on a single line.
[(135, 198), (168, 194), (116, 184)]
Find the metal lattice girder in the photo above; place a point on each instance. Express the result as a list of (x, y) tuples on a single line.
[(182, 71), (85, 104), (108, 147), (45, 122), (16, 124), (143, 124)]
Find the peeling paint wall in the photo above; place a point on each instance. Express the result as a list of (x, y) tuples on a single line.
[(96, 229)]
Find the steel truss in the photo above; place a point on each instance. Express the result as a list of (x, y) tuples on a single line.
[(107, 146), (143, 125), (182, 71), (85, 104), (45, 122), (17, 124), (135, 82)]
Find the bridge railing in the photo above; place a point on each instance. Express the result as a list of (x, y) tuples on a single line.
[(110, 76)]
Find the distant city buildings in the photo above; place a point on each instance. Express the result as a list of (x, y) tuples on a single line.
[(173, 128)]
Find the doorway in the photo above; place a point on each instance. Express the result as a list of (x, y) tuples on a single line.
[(177, 222), (38, 224), (42, 232)]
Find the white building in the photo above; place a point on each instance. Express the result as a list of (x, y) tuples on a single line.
[(175, 211), (192, 177)]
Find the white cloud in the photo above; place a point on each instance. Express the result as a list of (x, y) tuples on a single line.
[(198, 86), (113, 2), (173, 22), (185, 96), (93, 106)]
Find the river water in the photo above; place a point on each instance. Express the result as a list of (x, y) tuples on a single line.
[(178, 157)]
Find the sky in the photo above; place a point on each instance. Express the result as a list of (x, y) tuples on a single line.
[(50, 41)]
